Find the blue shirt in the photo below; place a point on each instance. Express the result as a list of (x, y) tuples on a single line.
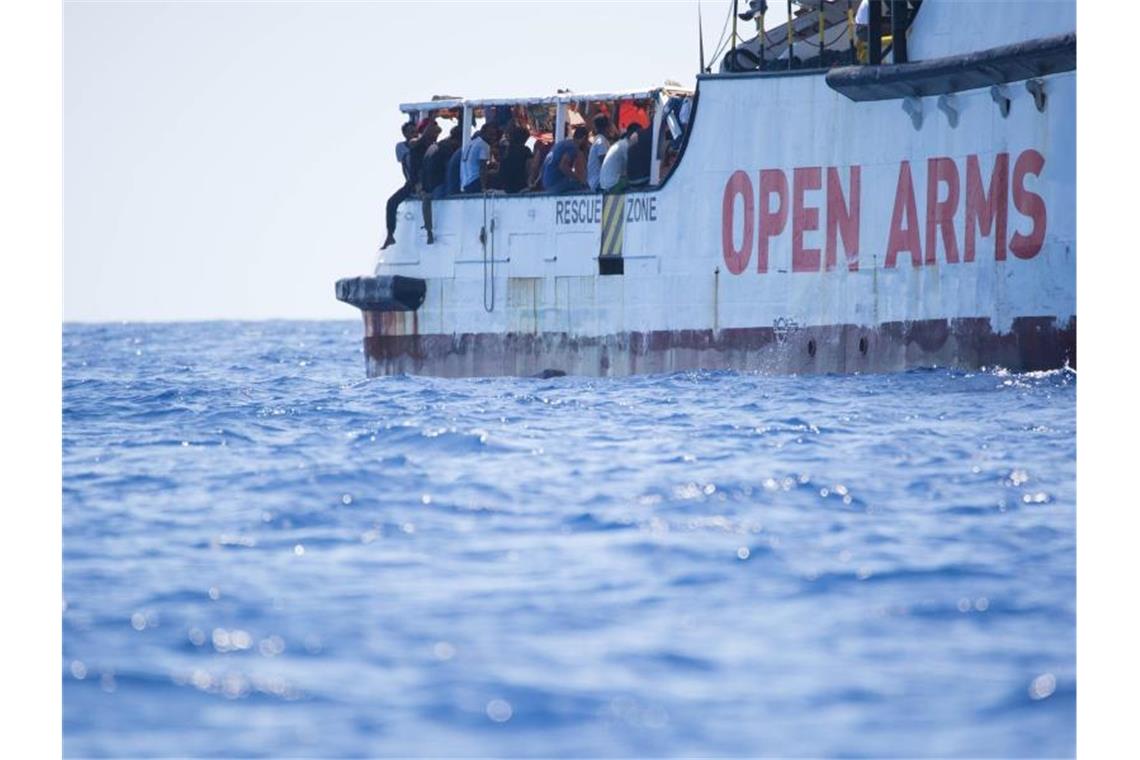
[(552, 176), (475, 154)]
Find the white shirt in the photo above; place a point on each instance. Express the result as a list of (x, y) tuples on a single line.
[(476, 152), (594, 160), (613, 166)]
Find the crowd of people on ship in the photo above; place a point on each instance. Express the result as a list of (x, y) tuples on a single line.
[(497, 158)]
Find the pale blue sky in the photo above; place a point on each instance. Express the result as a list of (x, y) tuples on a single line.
[(230, 160)]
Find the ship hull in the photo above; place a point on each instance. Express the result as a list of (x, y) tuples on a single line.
[(806, 228), (1031, 343)]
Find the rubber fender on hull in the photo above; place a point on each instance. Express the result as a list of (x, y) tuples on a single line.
[(940, 76), (385, 293)]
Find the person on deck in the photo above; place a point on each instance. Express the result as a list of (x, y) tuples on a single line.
[(541, 150), (558, 172), (433, 176), (452, 185), (408, 129), (476, 156), (405, 153), (437, 160), (613, 175), (640, 154), (512, 174), (601, 144), (428, 132)]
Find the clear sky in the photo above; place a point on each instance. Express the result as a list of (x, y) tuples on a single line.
[(230, 160)]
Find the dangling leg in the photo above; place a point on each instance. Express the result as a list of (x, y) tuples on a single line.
[(390, 214), (427, 218)]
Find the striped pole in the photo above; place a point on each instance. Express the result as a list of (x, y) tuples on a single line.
[(821, 34)]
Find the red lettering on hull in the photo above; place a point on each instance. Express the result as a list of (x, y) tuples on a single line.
[(772, 182), (940, 214), (904, 233), (736, 259), (804, 218), (842, 218), (985, 214), (1028, 203)]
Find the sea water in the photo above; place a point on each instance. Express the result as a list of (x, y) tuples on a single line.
[(266, 554)]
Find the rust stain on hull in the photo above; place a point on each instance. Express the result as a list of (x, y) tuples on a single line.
[(393, 345)]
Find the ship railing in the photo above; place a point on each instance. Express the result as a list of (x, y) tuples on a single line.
[(823, 36)]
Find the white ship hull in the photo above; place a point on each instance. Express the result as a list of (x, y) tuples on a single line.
[(801, 231)]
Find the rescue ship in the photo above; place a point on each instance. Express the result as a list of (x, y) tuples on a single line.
[(829, 206)]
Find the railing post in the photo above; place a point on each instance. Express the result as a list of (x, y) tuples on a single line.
[(732, 54), (900, 22), (763, 36), (791, 38), (658, 117), (821, 35), (560, 121), (851, 33), (466, 118), (875, 33), (893, 6)]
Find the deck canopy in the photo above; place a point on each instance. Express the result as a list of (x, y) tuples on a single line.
[(445, 102)]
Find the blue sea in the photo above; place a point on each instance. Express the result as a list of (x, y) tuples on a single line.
[(266, 554)]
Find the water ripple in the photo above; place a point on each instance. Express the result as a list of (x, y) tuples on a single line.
[(266, 554)]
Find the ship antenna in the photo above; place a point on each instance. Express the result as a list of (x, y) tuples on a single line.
[(701, 35)]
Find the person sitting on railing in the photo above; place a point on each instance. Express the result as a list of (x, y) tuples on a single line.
[(603, 130), (559, 174), (411, 159), (613, 178), (476, 156), (429, 131), (408, 129)]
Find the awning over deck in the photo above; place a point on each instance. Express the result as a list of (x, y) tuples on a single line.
[(447, 103)]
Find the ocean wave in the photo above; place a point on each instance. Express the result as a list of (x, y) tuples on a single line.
[(267, 554)]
